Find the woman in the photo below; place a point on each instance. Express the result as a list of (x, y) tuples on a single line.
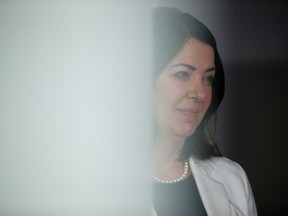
[(190, 175)]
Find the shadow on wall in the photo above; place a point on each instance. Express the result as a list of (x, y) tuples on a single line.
[(255, 130), (255, 117)]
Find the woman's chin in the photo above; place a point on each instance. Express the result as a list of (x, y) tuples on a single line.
[(180, 130), (185, 132)]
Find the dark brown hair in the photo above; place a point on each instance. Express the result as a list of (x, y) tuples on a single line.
[(172, 29)]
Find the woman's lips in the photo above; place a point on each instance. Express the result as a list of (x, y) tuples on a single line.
[(188, 112)]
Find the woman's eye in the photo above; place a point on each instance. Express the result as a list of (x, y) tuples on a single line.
[(209, 78), (182, 75)]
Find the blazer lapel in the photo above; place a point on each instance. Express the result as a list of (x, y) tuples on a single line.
[(212, 192)]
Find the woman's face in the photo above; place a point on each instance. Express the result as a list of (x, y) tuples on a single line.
[(183, 91)]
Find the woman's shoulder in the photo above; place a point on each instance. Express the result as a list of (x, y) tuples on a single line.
[(227, 173), (226, 164), (221, 172), (221, 168)]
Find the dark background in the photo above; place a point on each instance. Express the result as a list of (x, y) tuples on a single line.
[(252, 129)]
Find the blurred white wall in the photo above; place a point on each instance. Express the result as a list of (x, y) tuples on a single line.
[(75, 124)]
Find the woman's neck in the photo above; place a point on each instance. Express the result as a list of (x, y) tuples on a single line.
[(167, 150)]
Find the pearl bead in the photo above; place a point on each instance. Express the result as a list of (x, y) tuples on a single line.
[(183, 176)]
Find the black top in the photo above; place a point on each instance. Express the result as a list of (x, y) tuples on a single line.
[(178, 199)]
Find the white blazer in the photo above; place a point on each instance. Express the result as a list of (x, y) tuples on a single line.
[(223, 187)]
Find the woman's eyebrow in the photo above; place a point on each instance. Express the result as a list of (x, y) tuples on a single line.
[(210, 69), (192, 67), (185, 65)]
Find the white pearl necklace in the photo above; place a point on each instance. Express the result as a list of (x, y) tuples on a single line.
[(183, 176)]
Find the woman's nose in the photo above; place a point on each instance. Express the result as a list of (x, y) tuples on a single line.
[(196, 91)]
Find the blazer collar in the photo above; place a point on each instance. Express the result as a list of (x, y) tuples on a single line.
[(212, 192)]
